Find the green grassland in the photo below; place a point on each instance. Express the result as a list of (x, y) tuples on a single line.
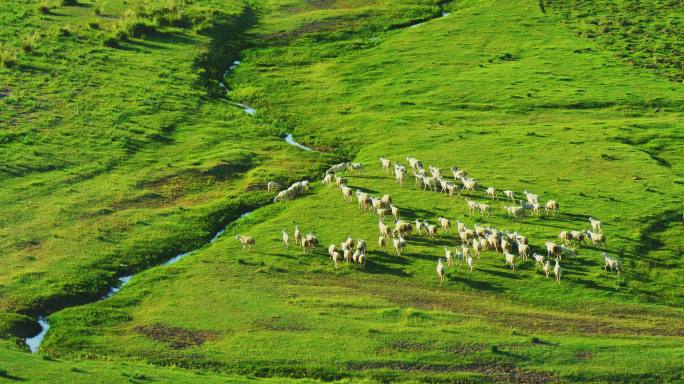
[(120, 149)]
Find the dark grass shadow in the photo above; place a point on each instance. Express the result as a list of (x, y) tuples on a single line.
[(10, 377), (461, 277), (382, 269)]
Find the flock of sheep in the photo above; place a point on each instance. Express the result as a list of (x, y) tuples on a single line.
[(512, 246)]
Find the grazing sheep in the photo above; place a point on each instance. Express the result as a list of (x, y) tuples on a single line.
[(521, 239), (385, 163), (460, 226), (395, 212), (596, 237), (402, 227), (465, 251), (348, 243), (472, 205), (441, 271), (336, 258), (552, 249), (531, 197), (381, 242), (418, 176), (361, 245), (510, 260), (336, 168), (362, 260), (340, 181), (286, 239), (246, 241), (551, 205), (510, 194), (363, 200), (611, 263), (485, 209), (347, 193), (355, 256), (419, 227), (565, 237), (328, 180), (382, 212), (431, 230), (309, 242), (400, 174), (445, 223), (523, 250), (547, 268), (387, 200), (283, 195), (430, 182), (506, 246), (491, 192), (399, 245), (414, 163), (451, 188), (347, 255), (469, 262), (435, 172), (578, 237), (297, 235), (477, 247), (448, 254), (557, 270), (536, 208), (331, 249), (538, 259), (514, 211), (384, 230), (272, 186), (595, 225), (469, 185), (354, 168)]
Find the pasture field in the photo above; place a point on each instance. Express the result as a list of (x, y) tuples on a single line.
[(120, 148)]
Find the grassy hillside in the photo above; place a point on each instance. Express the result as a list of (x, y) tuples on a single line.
[(120, 149)]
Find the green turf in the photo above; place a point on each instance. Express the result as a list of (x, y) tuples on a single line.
[(114, 159)]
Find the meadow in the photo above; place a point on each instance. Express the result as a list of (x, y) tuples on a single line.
[(124, 142)]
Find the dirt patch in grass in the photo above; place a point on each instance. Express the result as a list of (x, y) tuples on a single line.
[(276, 324), (503, 372), (175, 337), (465, 349)]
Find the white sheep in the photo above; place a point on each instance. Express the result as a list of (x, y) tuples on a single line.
[(402, 227), (469, 185), (445, 224), (431, 230), (477, 247), (510, 194), (395, 211), (531, 197), (340, 181), (413, 162), (510, 260), (552, 249), (347, 193), (328, 180), (514, 211), (448, 254), (419, 227), (485, 209), (354, 167), (565, 237), (551, 205), (387, 200), (469, 262), (597, 237), (578, 237), (336, 258), (272, 186), (441, 271), (611, 263), (538, 259), (595, 225), (331, 249), (348, 243), (399, 245), (347, 255), (557, 270), (286, 239), (384, 230), (523, 250), (430, 182), (246, 241), (337, 168), (491, 192), (309, 242), (362, 260), (472, 205), (361, 245), (382, 242), (547, 268), (283, 195), (297, 235), (385, 163)]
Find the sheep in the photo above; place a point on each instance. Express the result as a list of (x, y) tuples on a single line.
[(521, 239), (505, 246), (286, 239), (469, 262), (485, 209), (402, 227), (384, 230), (491, 192), (477, 247), (347, 255), (611, 263), (552, 249), (385, 164), (283, 195), (399, 245), (547, 268), (354, 167), (387, 200), (565, 237), (441, 271), (429, 182), (445, 224), (460, 226), (578, 237), (348, 243), (458, 173), (523, 250), (466, 235), (382, 212), (309, 242), (272, 186), (443, 185), (484, 245), (305, 184), (531, 197), (413, 162), (418, 176), (355, 255), (297, 235), (363, 200), (596, 237), (551, 205), (469, 185), (331, 249), (448, 254), (451, 188), (465, 251), (510, 260), (362, 260), (536, 208), (435, 172), (472, 205), (347, 193), (381, 242), (336, 258), (510, 194), (514, 211), (557, 270), (431, 230), (395, 211), (246, 241), (336, 168), (400, 177), (361, 245), (419, 227), (328, 180), (340, 181), (595, 225), (538, 259)]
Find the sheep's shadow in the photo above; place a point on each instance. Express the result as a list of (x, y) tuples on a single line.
[(382, 269), (474, 284)]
